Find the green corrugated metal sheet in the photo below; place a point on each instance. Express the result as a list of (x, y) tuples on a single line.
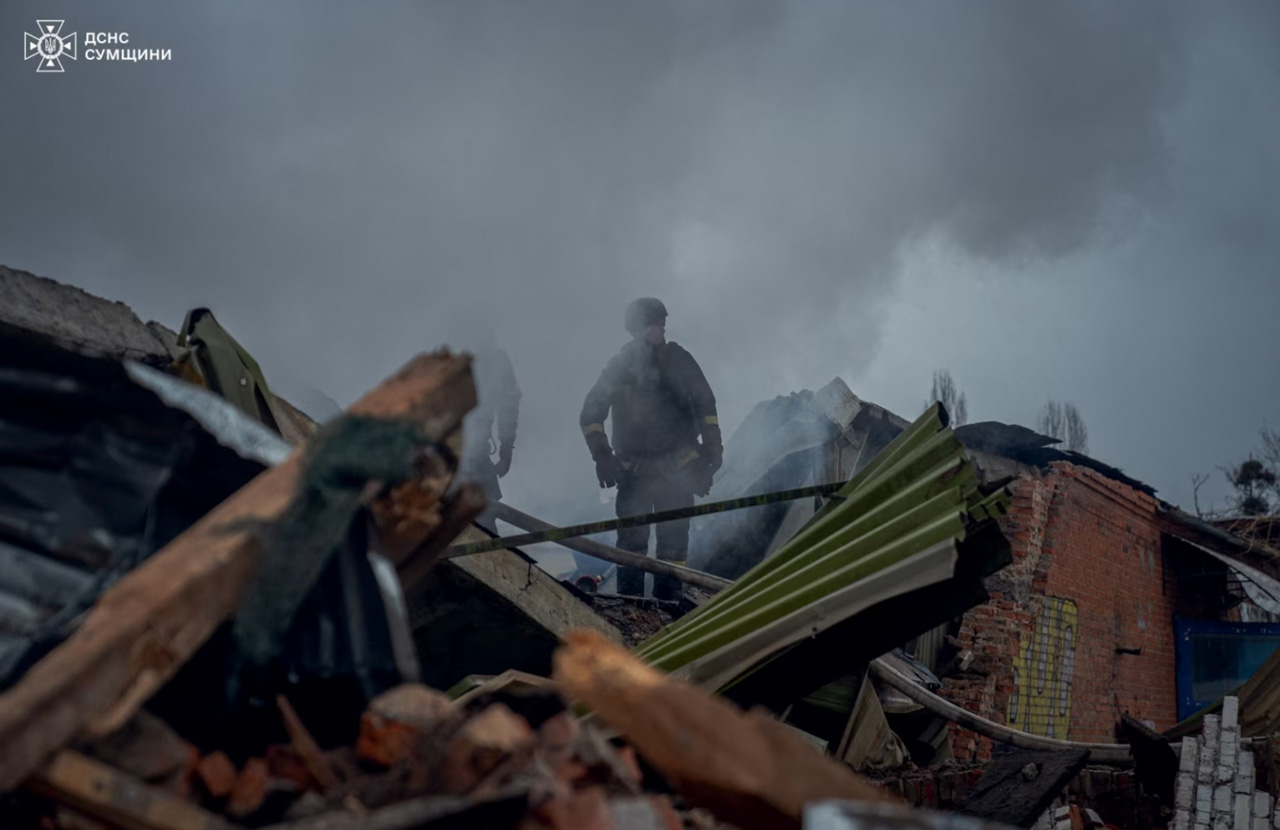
[(895, 529)]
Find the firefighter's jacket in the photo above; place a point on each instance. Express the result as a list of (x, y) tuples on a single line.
[(658, 397)]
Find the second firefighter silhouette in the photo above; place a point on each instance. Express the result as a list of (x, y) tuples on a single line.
[(661, 405)]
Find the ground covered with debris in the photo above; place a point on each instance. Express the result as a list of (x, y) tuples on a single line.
[(214, 614)]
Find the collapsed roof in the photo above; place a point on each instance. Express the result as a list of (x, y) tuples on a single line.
[(831, 435)]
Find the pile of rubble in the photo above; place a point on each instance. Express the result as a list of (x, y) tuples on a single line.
[(215, 614), (205, 625), (420, 759)]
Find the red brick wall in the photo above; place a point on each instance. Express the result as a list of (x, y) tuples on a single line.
[(1087, 578)]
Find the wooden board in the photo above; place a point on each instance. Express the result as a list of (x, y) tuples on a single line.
[(121, 800), (152, 621), (747, 769)]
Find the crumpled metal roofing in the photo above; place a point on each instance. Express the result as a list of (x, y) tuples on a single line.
[(895, 528)]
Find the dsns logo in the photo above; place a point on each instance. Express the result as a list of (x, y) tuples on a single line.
[(50, 46)]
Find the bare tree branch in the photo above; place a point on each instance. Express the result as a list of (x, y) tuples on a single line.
[(1197, 481), (949, 395)]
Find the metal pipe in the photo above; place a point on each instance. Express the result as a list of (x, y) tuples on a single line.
[(550, 533), (617, 556), (1098, 753)]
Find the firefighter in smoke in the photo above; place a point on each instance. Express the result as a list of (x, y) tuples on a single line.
[(661, 405), (497, 405)]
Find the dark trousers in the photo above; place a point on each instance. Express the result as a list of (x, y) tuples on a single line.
[(484, 473), (646, 492)]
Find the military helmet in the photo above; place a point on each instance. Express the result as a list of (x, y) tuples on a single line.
[(643, 312)]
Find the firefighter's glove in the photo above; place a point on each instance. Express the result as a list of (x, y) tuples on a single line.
[(608, 469), (504, 460), (712, 447), (700, 475)]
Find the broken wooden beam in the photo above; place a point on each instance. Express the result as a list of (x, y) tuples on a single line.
[(617, 556), (150, 623), (120, 800), (749, 770), (459, 511)]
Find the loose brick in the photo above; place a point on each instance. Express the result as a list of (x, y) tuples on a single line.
[(1230, 712), (1211, 730), (481, 744), (396, 720), (1244, 774), (1243, 813), (1222, 800), (577, 810), (250, 789), (415, 704), (1186, 792), (217, 774), (1190, 754), (1262, 804), (286, 764)]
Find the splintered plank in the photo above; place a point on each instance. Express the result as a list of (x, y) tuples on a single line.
[(121, 800), (150, 623), (747, 769)]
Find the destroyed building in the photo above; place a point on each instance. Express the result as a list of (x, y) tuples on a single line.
[(1116, 605), (962, 606)]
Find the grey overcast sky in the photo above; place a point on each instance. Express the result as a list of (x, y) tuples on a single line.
[(1073, 199)]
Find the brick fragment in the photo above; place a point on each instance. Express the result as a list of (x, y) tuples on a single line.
[(1230, 712), (217, 774), (558, 731), (1244, 774), (396, 721), (250, 789), (286, 764), (586, 809), (1190, 757), (482, 744), (1262, 804), (414, 704), (1243, 813), (1185, 796)]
